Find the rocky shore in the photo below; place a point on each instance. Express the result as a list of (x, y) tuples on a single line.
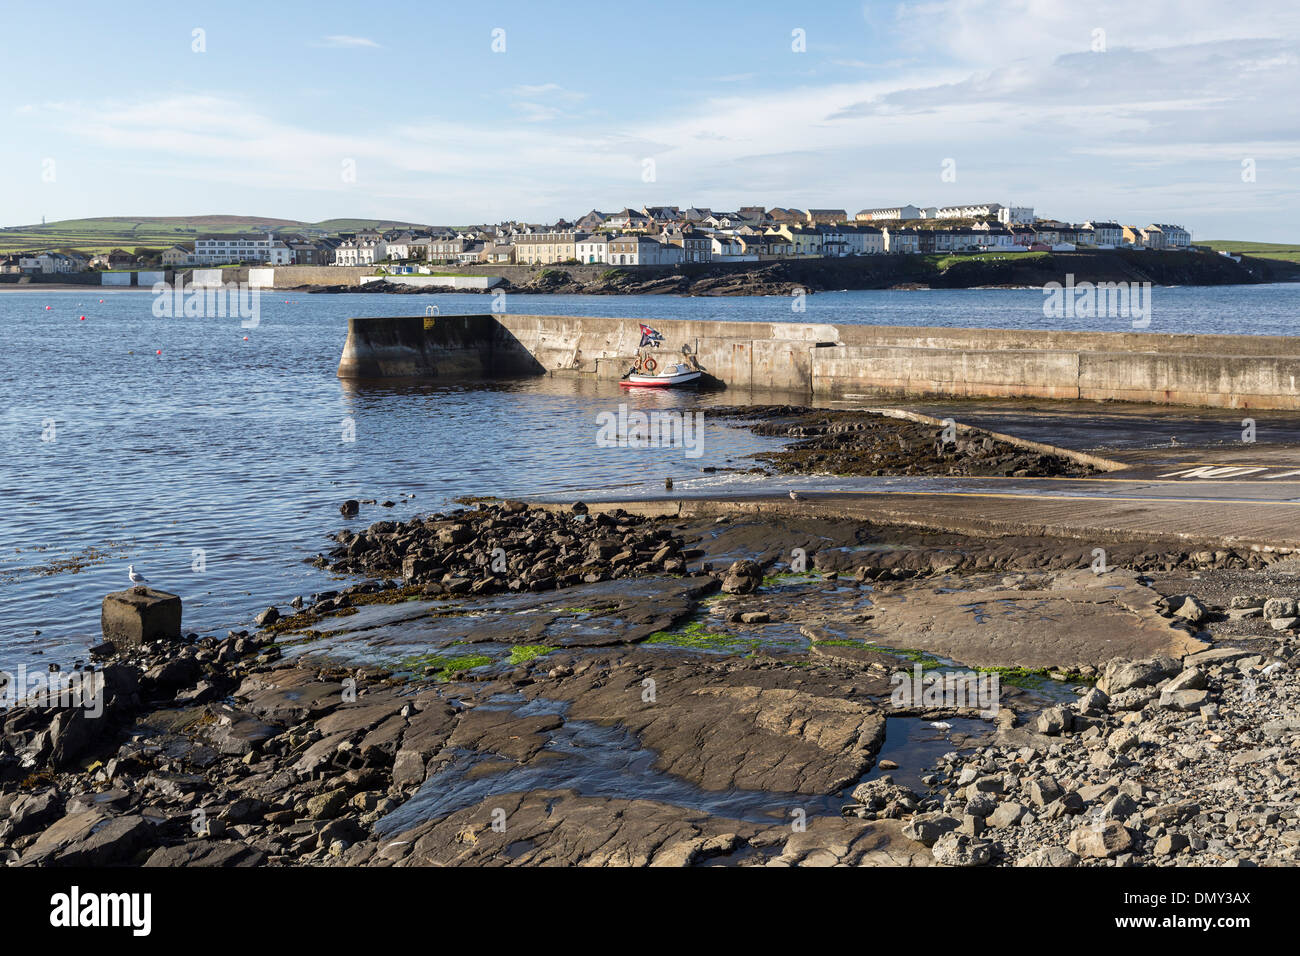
[(784, 277), (567, 686), (1163, 763)]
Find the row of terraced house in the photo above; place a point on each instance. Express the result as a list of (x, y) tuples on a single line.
[(661, 235)]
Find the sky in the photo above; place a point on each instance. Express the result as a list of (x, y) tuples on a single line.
[(453, 113)]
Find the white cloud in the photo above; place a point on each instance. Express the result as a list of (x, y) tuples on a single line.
[(538, 90), (341, 40)]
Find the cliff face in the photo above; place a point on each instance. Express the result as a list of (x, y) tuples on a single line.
[(886, 272)]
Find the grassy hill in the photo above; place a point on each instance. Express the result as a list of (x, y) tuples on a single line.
[(1272, 261), (102, 234), (1283, 251)]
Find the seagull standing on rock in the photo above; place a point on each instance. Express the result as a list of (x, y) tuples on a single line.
[(135, 576)]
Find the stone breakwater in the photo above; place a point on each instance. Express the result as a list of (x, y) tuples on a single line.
[(861, 443), (840, 362)]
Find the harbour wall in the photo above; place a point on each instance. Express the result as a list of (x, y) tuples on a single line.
[(844, 361)]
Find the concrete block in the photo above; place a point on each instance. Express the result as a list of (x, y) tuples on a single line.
[(140, 615)]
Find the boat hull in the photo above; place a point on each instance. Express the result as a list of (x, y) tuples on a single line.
[(636, 380)]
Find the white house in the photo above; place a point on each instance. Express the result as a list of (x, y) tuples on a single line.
[(221, 249), (727, 248), (50, 263), (888, 212), (360, 252), (1014, 215), (593, 249), (399, 246), (972, 211)]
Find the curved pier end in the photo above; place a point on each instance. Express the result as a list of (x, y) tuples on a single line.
[(422, 347)]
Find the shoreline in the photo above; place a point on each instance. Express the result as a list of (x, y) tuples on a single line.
[(783, 276), (328, 760), (287, 769)]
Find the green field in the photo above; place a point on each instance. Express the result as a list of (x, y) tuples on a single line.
[(104, 234), (1282, 251), (942, 262)]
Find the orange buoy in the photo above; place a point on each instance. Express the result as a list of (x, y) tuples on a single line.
[(159, 352), (83, 318), (245, 338)]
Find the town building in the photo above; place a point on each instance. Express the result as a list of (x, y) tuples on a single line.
[(627, 220), (472, 253), (904, 241), (886, 213), (1014, 215), (971, 211), (225, 248), (696, 245), (826, 217), (497, 252), (593, 248), (1106, 233), (361, 250), (121, 259), (177, 257), (642, 251), (803, 241), (447, 248), (591, 221), (1175, 237), (311, 254), (546, 248)]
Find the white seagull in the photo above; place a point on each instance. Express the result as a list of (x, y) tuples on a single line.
[(135, 576), (795, 496)]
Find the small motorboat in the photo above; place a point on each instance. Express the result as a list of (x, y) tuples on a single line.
[(678, 373)]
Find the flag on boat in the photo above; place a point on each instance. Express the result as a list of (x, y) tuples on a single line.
[(649, 336)]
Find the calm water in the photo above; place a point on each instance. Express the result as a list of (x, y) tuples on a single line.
[(234, 448)]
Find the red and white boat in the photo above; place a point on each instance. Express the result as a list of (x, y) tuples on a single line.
[(678, 373)]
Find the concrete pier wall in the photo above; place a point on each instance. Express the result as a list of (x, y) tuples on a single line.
[(845, 362)]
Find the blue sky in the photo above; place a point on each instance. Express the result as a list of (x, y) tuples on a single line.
[(1155, 111)]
